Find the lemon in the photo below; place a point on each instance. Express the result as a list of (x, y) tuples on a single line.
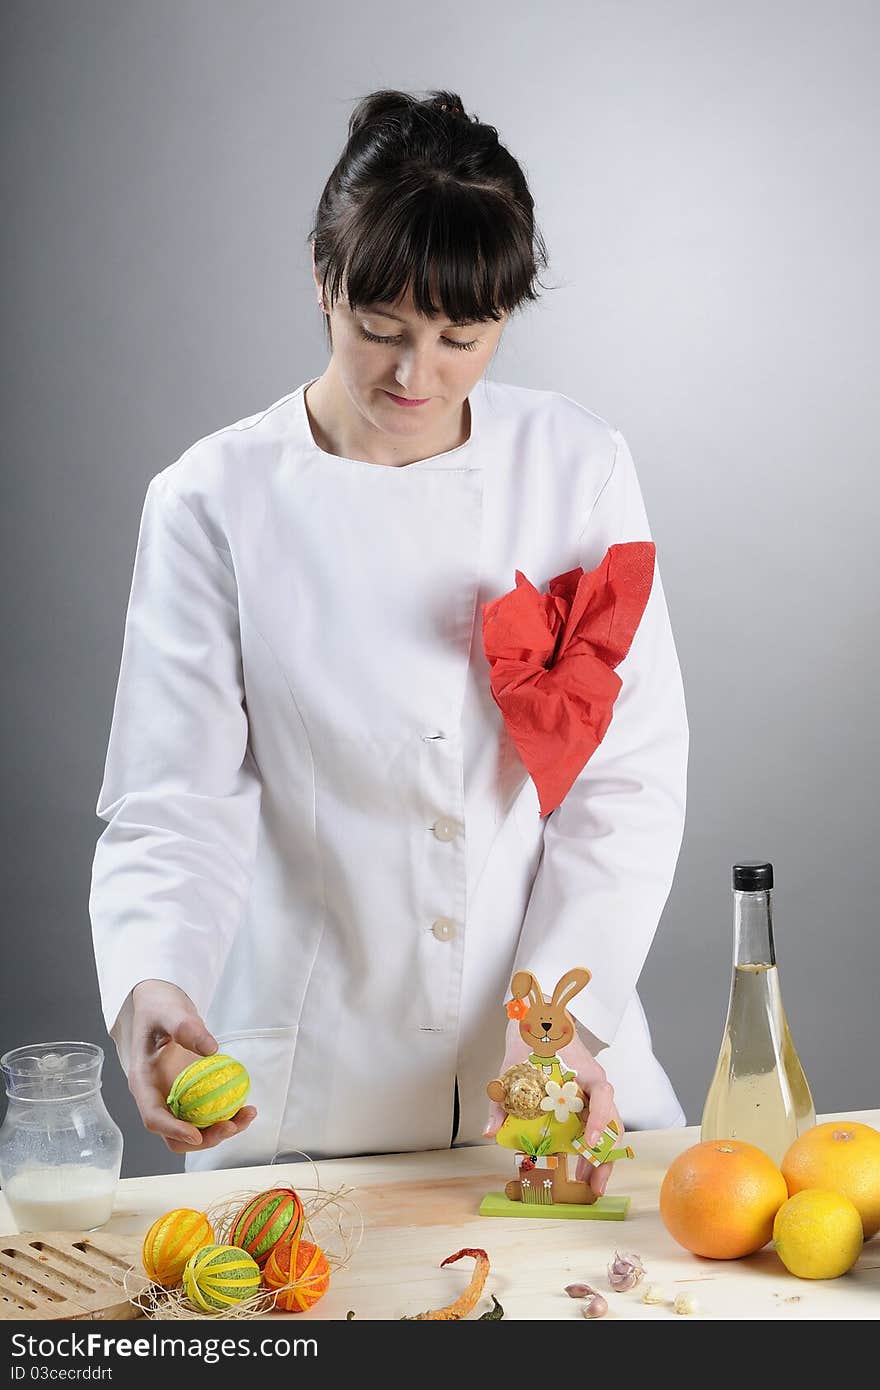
[(818, 1234)]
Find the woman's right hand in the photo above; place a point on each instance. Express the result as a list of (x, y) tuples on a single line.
[(166, 1035)]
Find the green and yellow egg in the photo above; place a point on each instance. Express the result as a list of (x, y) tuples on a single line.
[(219, 1276), (209, 1090)]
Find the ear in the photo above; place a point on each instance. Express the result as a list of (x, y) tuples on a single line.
[(524, 983), (572, 982)]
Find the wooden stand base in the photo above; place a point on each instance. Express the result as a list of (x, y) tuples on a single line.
[(605, 1209)]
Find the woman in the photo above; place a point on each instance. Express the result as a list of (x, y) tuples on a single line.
[(324, 852)]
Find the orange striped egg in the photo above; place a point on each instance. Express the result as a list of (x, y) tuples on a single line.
[(171, 1240), (218, 1276), (303, 1263), (265, 1220)]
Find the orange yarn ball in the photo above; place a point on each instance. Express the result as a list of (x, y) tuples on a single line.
[(303, 1263)]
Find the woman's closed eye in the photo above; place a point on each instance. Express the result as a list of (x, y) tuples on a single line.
[(374, 338)]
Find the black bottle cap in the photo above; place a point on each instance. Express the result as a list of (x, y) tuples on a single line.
[(752, 876)]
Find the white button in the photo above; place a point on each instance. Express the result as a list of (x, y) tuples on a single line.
[(445, 829), (444, 929)]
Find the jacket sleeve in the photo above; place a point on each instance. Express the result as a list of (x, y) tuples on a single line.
[(611, 847), (181, 792)]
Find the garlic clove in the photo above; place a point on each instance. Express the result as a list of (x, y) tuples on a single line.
[(579, 1290), (686, 1303), (625, 1271), (655, 1293), (595, 1307)]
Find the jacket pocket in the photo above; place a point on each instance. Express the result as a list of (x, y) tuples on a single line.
[(267, 1055)]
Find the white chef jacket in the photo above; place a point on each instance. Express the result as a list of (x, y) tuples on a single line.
[(317, 824)]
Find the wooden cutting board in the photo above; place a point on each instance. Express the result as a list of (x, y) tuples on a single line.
[(68, 1275)]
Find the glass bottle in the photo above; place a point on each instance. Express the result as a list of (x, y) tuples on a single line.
[(60, 1150), (759, 1092)]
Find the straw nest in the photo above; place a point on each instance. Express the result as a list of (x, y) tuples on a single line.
[(331, 1220)]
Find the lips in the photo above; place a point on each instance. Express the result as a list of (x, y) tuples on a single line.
[(407, 400)]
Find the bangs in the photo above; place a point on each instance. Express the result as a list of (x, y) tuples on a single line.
[(458, 248)]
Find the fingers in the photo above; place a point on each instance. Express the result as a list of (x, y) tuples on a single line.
[(158, 1119), (598, 1178), (167, 1034), (495, 1121), (163, 1012), (191, 1033), (179, 1136), (215, 1134), (601, 1099)]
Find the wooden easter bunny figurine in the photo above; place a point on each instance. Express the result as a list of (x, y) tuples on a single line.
[(547, 1111)]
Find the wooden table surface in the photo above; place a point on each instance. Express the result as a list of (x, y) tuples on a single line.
[(419, 1208)]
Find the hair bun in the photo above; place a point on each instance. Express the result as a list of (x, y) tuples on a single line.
[(392, 108), (451, 104), (386, 106)]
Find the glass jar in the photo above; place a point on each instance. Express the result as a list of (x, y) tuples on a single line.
[(60, 1150)]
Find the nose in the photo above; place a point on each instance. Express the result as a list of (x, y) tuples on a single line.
[(411, 365), (546, 1027)]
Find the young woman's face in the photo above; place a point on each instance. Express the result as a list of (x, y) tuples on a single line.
[(390, 350)]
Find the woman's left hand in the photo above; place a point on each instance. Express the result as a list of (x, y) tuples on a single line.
[(593, 1082)]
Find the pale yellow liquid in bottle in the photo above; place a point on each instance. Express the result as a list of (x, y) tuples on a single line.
[(759, 1092)]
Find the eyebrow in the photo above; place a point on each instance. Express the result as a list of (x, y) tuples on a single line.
[(378, 309)]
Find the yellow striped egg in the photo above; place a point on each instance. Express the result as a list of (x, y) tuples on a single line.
[(171, 1240), (267, 1219), (218, 1276), (209, 1089)]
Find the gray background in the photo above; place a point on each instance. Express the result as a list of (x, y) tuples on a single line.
[(704, 178)]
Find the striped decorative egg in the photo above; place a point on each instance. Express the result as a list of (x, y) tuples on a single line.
[(218, 1276), (302, 1262), (209, 1089), (274, 1216), (171, 1240)]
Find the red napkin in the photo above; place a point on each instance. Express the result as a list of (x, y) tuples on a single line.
[(552, 659)]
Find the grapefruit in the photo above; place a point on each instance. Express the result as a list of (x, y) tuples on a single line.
[(843, 1155), (719, 1198)]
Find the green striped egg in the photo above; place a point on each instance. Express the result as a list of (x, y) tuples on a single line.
[(208, 1090), (265, 1220), (218, 1276)]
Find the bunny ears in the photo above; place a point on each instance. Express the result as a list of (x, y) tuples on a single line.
[(524, 983)]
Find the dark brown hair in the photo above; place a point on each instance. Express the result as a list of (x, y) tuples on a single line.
[(425, 196)]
